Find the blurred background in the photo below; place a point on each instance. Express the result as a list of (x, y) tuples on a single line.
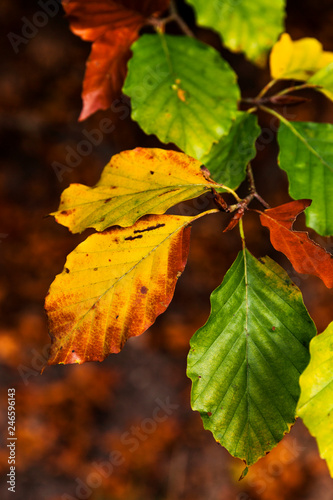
[(91, 431)]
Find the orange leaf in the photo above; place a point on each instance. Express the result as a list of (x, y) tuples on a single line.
[(305, 255), (112, 26), (113, 287)]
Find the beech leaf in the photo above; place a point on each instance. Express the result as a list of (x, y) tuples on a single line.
[(245, 362), (298, 60), (134, 183), (315, 405), (227, 160), (305, 255), (306, 154), (113, 287), (112, 26), (181, 90), (244, 25), (324, 78)]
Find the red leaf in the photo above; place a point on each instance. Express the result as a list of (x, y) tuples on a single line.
[(112, 26), (305, 255)]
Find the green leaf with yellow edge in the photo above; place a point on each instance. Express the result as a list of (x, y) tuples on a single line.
[(182, 91), (316, 402), (113, 287), (298, 60), (227, 160), (306, 154), (134, 183), (244, 25), (324, 78), (245, 362)]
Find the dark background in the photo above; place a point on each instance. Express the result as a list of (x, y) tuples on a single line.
[(71, 417)]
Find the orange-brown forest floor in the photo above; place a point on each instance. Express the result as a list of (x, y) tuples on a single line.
[(72, 417)]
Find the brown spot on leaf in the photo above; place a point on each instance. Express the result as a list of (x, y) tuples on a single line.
[(66, 269), (144, 289), (130, 238), (107, 200), (95, 268), (273, 328), (102, 219), (150, 228), (209, 414), (152, 173)]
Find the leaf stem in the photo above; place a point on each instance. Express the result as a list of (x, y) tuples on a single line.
[(226, 188), (242, 235), (265, 89), (297, 87)]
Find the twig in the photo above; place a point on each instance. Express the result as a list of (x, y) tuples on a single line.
[(181, 23), (159, 23)]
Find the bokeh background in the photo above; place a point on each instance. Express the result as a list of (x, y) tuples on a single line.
[(71, 418)]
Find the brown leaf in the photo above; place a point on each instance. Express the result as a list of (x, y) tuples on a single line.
[(305, 255), (235, 219), (112, 26)]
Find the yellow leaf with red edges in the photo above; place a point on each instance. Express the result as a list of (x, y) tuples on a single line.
[(133, 184), (298, 60), (305, 255), (113, 287)]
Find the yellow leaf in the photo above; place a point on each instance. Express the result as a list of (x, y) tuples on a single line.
[(134, 183), (298, 60), (113, 287)]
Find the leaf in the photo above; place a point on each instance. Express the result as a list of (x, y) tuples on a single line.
[(134, 183), (246, 360), (112, 25), (227, 160), (298, 60), (324, 78), (316, 402), (113, 287), (306, 154), (244, 25), (305, 255), (182, 91)]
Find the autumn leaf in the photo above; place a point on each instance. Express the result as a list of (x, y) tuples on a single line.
[(298, 59), (306, 154), (305, 255), (113, 287), (182, 90), (245, 362), (228, 158), (134, 183), (244, 25), (112, 26), (316, 400)]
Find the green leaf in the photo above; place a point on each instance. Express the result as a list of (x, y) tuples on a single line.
[(316, 402), (306, 154), (182, 91), (324, 78), (245, 362), (244, 25), (227, 159), (134, 183)]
